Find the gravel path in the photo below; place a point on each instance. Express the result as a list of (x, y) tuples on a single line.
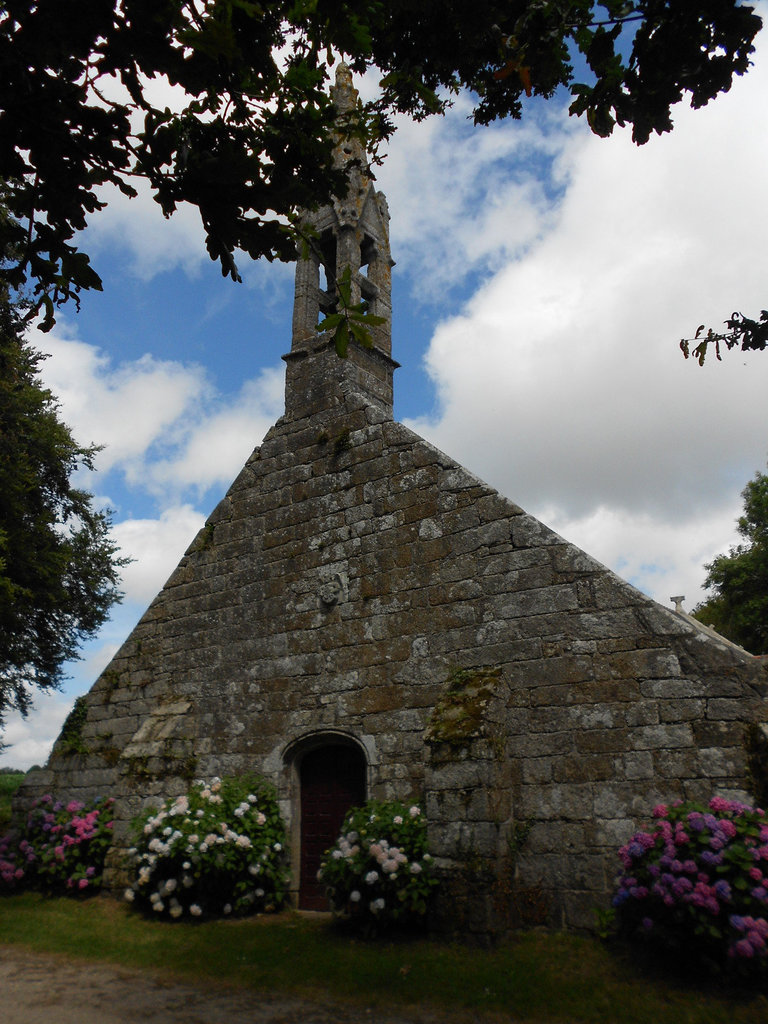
[(38, 988)]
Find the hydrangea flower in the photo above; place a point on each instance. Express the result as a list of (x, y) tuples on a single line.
[(213, 874), (693, 875), (62, 847), (364, 860)]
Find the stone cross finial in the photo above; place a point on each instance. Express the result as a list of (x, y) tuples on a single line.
[(343, 92)]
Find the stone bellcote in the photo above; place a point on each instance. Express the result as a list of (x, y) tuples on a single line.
[(352, 232)]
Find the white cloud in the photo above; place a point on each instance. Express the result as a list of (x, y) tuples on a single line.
[(465, 199), (126, 407), (95, 657), (272, 281), (561, 382), (662, 558), (216, 446), (29, 740), (156, 545), (161, 422), (153, 243)]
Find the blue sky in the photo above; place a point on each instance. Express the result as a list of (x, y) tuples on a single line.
[(544, 278)]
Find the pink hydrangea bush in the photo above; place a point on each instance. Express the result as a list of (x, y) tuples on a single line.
[(379, 870), (217, 850), (696, 883), (61, 848)]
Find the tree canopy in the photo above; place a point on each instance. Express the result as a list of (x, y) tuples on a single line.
[(739, 606), (58, 564), (247, 137)]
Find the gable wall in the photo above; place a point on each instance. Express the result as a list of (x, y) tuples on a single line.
[(598, 703)]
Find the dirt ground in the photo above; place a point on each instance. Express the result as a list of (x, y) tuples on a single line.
[(40, 988)]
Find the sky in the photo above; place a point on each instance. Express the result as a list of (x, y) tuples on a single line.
[(543, 280)]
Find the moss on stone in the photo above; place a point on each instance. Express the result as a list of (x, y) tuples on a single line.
[(341, 443), (204, 539), (71, 736), (458, 715), (110, 679)]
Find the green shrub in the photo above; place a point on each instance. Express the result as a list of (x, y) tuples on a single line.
[(61, 848), (217, 850), (696, 884), (9, 783), (379, 871)]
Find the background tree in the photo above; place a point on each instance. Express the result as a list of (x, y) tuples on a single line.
[(58, 564), (739, 606), (250, 143)]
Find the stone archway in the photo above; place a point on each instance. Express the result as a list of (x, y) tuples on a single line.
[(332, 779)]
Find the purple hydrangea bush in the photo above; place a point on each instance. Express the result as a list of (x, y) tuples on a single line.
[(379, 871), (219, 849), (696, 883), (60, 849)]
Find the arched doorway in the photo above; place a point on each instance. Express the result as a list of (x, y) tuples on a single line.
[(332, 780)]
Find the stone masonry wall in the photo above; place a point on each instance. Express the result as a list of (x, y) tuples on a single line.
[(357, 583)]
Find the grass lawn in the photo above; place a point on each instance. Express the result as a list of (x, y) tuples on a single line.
[(536, 978)]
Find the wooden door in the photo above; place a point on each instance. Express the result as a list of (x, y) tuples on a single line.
[(332, 781)]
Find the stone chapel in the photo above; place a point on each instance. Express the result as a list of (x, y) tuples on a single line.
[(361, 617)]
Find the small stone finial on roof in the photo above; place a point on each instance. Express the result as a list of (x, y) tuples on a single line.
[(679, 603), (343, 91), (350, 148)]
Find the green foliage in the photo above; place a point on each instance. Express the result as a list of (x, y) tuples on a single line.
[(741, 332), (379, 870), (71, 735), (605, 922), (739, 606), (61, 848), (253, 142), (668, 39), (352, 321), (58, 570), (341, 443), (9, 783), (217, 850), (696, 886)]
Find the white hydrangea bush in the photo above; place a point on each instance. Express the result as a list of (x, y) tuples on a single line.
[(217, 850), (379, 871)]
